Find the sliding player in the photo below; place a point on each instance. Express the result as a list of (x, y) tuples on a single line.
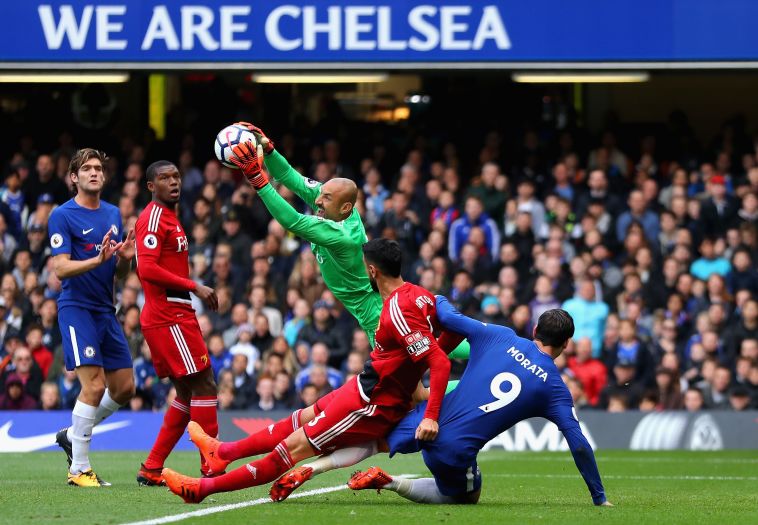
[(86, 257), (168, 320), (364, 409)]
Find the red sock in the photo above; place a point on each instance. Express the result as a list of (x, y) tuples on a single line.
[(262, 441), (255, 473), (203, 412), (174, 422)]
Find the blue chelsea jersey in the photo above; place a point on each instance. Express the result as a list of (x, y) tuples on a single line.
[(507, 379), (79, 232)]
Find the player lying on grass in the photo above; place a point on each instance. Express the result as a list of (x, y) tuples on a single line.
[(508, 379), (363, 410), (336, 232)]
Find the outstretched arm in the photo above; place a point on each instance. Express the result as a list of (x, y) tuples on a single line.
[(311, 228), (584, 457), (281, 171)]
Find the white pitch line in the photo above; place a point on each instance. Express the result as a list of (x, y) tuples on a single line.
[(672, 478), (242, 505)]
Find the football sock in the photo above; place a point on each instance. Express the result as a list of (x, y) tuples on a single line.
[(82, 421), (203, 412), (258, 472), (422, 490), (174, 422), (107, 407), (262, 441), (345, 457)]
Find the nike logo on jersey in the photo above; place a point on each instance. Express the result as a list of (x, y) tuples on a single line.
[(9, 443), (85, 232)]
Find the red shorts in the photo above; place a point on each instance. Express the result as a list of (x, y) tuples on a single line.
[(178, 350), (343, 418)]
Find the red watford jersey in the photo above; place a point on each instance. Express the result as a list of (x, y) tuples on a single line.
[(405, 348), (163, 267)]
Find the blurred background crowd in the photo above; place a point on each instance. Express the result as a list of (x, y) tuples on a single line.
[(649, 240)]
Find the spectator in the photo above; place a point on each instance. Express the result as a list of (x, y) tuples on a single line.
[(41, 354), (693, 400), (719, 210), (669, 393), (243, 382), (258, 306), (638, 213), (284, 391), (301, 317), (318, 361), (68, 388), (221, 358), (544, 298), (622, 385), (245, 347), (474, 216), (589, 315), (14, 396), (744, 275), (30, 374), (709, 262), (631, 349), (322, 330), (266, 399), (308, 396), (739, 398), (716, 391), (589, 371), (49, 398)]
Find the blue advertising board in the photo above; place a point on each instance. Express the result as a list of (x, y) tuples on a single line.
[(399, 32)]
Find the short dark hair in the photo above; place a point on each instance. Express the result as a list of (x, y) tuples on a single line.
[(554, 328), (154, 167), (385, 254)]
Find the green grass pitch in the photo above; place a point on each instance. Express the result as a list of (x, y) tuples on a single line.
[(646, 487)]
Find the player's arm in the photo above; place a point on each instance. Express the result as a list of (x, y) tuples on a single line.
[(584, 458), (311, 228), (125, 255), (415, 332), (65, 267), (454, 321), (282, 172)]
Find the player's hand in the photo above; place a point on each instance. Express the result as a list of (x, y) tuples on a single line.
[(208, 296), (605, 504), (108, 248), (127, 249), (263, 140), (427, 430), (249, 160)]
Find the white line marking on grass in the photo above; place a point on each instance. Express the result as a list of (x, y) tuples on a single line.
[(530, 457), (672, 478), (243, 504)]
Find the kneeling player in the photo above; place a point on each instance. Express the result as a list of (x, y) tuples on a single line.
[(508, 379), (363, 410)]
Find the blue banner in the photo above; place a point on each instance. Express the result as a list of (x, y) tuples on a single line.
[(390, 31)]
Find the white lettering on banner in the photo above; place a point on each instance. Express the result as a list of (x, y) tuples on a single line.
[(522, 437), (160, 28), (384, 31), (273, 35), (229, 27), (199, 29), (75, 32), (354, 27), (105, 26), (432, 27), (332, 27), (449, 27)]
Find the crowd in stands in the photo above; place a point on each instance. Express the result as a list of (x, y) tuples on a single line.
[(653, 252)]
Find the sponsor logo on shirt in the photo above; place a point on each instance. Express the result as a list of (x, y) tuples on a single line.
[(417, 343)]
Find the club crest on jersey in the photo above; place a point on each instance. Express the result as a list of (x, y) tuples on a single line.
[(151, 241), (417, 343), (89, 352), (56, 241)]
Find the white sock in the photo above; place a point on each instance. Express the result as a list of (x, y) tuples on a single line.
[(345, 457), (107, 407), (82, 421), (423, 490)]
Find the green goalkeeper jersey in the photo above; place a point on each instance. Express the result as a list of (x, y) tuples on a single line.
[(336, 245)]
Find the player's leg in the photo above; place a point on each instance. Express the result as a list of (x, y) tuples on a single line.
[(117, 362), (203, 412), (450, 484), (262, 441), (284, 456), (168, 362)]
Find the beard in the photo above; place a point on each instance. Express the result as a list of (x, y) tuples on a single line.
[(374, 286)]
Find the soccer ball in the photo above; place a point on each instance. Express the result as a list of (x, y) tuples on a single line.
[(229, 137)]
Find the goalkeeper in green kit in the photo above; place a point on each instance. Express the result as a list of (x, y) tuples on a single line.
[(336, 232)]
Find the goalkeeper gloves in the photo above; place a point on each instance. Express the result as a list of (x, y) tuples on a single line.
[(263, 140), (250, 162)]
